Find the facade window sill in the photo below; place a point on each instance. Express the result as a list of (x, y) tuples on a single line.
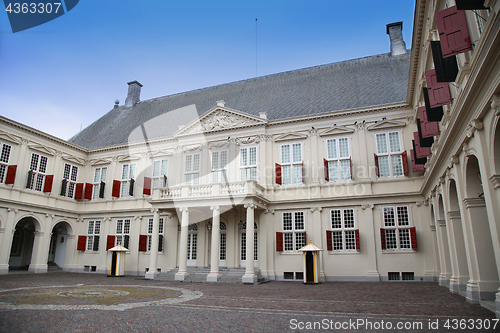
[(343, 252), (399, 251)]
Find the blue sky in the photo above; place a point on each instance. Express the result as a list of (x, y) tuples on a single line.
[(67, 73)]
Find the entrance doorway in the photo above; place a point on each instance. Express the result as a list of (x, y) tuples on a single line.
[(22, 244), (57, 247)]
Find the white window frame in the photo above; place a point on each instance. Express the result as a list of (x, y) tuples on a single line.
[(394, 157), (128, 173), (38, 167), (70, 173), (192, 174), (93, 230), (150, 231), (294, 163), (339, 167), (400, 228), (343, 229), (5, 151), (159, 173), (243, 242), (100, 174), (218, 166), (248, 168), (122, 229), (294, 230)]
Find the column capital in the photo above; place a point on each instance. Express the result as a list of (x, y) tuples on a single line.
[(269, 211), (155, 210), (183, 209), (433, 227), (316, 209), (137, 217), (371, 206), (12, 209), (214, 207), (454, 215), (250, 205), (49, 215), (442, 223)]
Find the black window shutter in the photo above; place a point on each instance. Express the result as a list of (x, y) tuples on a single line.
[(95, 246), (160, 243), (101, 190), (64, 184), (126, 240), (424, 142), (131, 188), (164, 181), (446, 68), (470, 4), (30, 176), (433, 114)]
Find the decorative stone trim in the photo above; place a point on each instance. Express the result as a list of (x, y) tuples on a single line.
[(454, 215), (474, 202), (371, 206), (495, 180), (441, 223), (316, 209)]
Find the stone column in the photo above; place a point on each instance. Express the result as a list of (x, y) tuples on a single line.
[(317, 234), (444, 254), (37, 244), (7, 241), (69, 260), (371, 242), (250, 276), (214, 256), (41, 253), (182, 273), (153, 253), (460, 276)]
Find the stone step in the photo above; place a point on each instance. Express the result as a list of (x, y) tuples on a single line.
[(199, 274)]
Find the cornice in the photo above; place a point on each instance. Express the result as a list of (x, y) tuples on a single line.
[(416, 47)]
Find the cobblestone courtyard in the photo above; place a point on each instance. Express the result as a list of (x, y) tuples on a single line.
[(70, 302)]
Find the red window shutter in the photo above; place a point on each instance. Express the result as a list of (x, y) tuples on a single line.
[(82, 242), (88, 191), (278, 173), (143, 243), (279, 241), (147, 186), (382, 238), (413, 236), (79, 191), (11, 174), (429, 128), (325, 167), (439, 92), (453, 31), (356, 233), (406, 169), (116, 188), (303, 174), (47, 187), (305, 239), (329, 244), (421, 152), (377, 172), (414, 166), (110, 242)]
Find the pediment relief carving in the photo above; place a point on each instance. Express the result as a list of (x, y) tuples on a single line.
[(291, 136), (10, 138), (161, 152), (100, 161), (336, 130), (43, 149), (124, 158), (219, 119), (386, 124), (73, 159)]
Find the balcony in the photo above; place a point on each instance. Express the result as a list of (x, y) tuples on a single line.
[(242, 188)]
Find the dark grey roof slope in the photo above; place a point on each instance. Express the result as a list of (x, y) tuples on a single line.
[(369, 81)]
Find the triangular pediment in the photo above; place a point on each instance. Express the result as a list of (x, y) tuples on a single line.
[(43, 149), (386, 124), (291, 136), (336, 130), (128, 157), (10, 137), (220, 118), (100, 161), (73, 159), (160, 153)]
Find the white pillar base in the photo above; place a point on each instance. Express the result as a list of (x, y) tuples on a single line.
[(181, 276), (42, 268), (4, 269), (249, 278), (213, 277), (151, 275), (497, 305)]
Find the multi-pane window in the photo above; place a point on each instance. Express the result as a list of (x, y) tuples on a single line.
[(344, 236), (248, 163), (150, 230), (481, 17), (223, 242), (160, 173), (192, 169), (291, 163), (128, 175), (4, 160), (38, 168), (93, 232), (293, 231), (243, 249), (192, 242), (123, 232), (397, 230), (339, 159), (70, 175), (99, 182), (219, 166), (390, 161)]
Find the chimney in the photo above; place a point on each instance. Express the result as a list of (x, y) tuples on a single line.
[(134, 93), (395, 32)]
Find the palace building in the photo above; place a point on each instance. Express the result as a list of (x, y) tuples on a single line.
[(389, 163)]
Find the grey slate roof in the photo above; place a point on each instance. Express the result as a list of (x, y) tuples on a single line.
[(369, 81)]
